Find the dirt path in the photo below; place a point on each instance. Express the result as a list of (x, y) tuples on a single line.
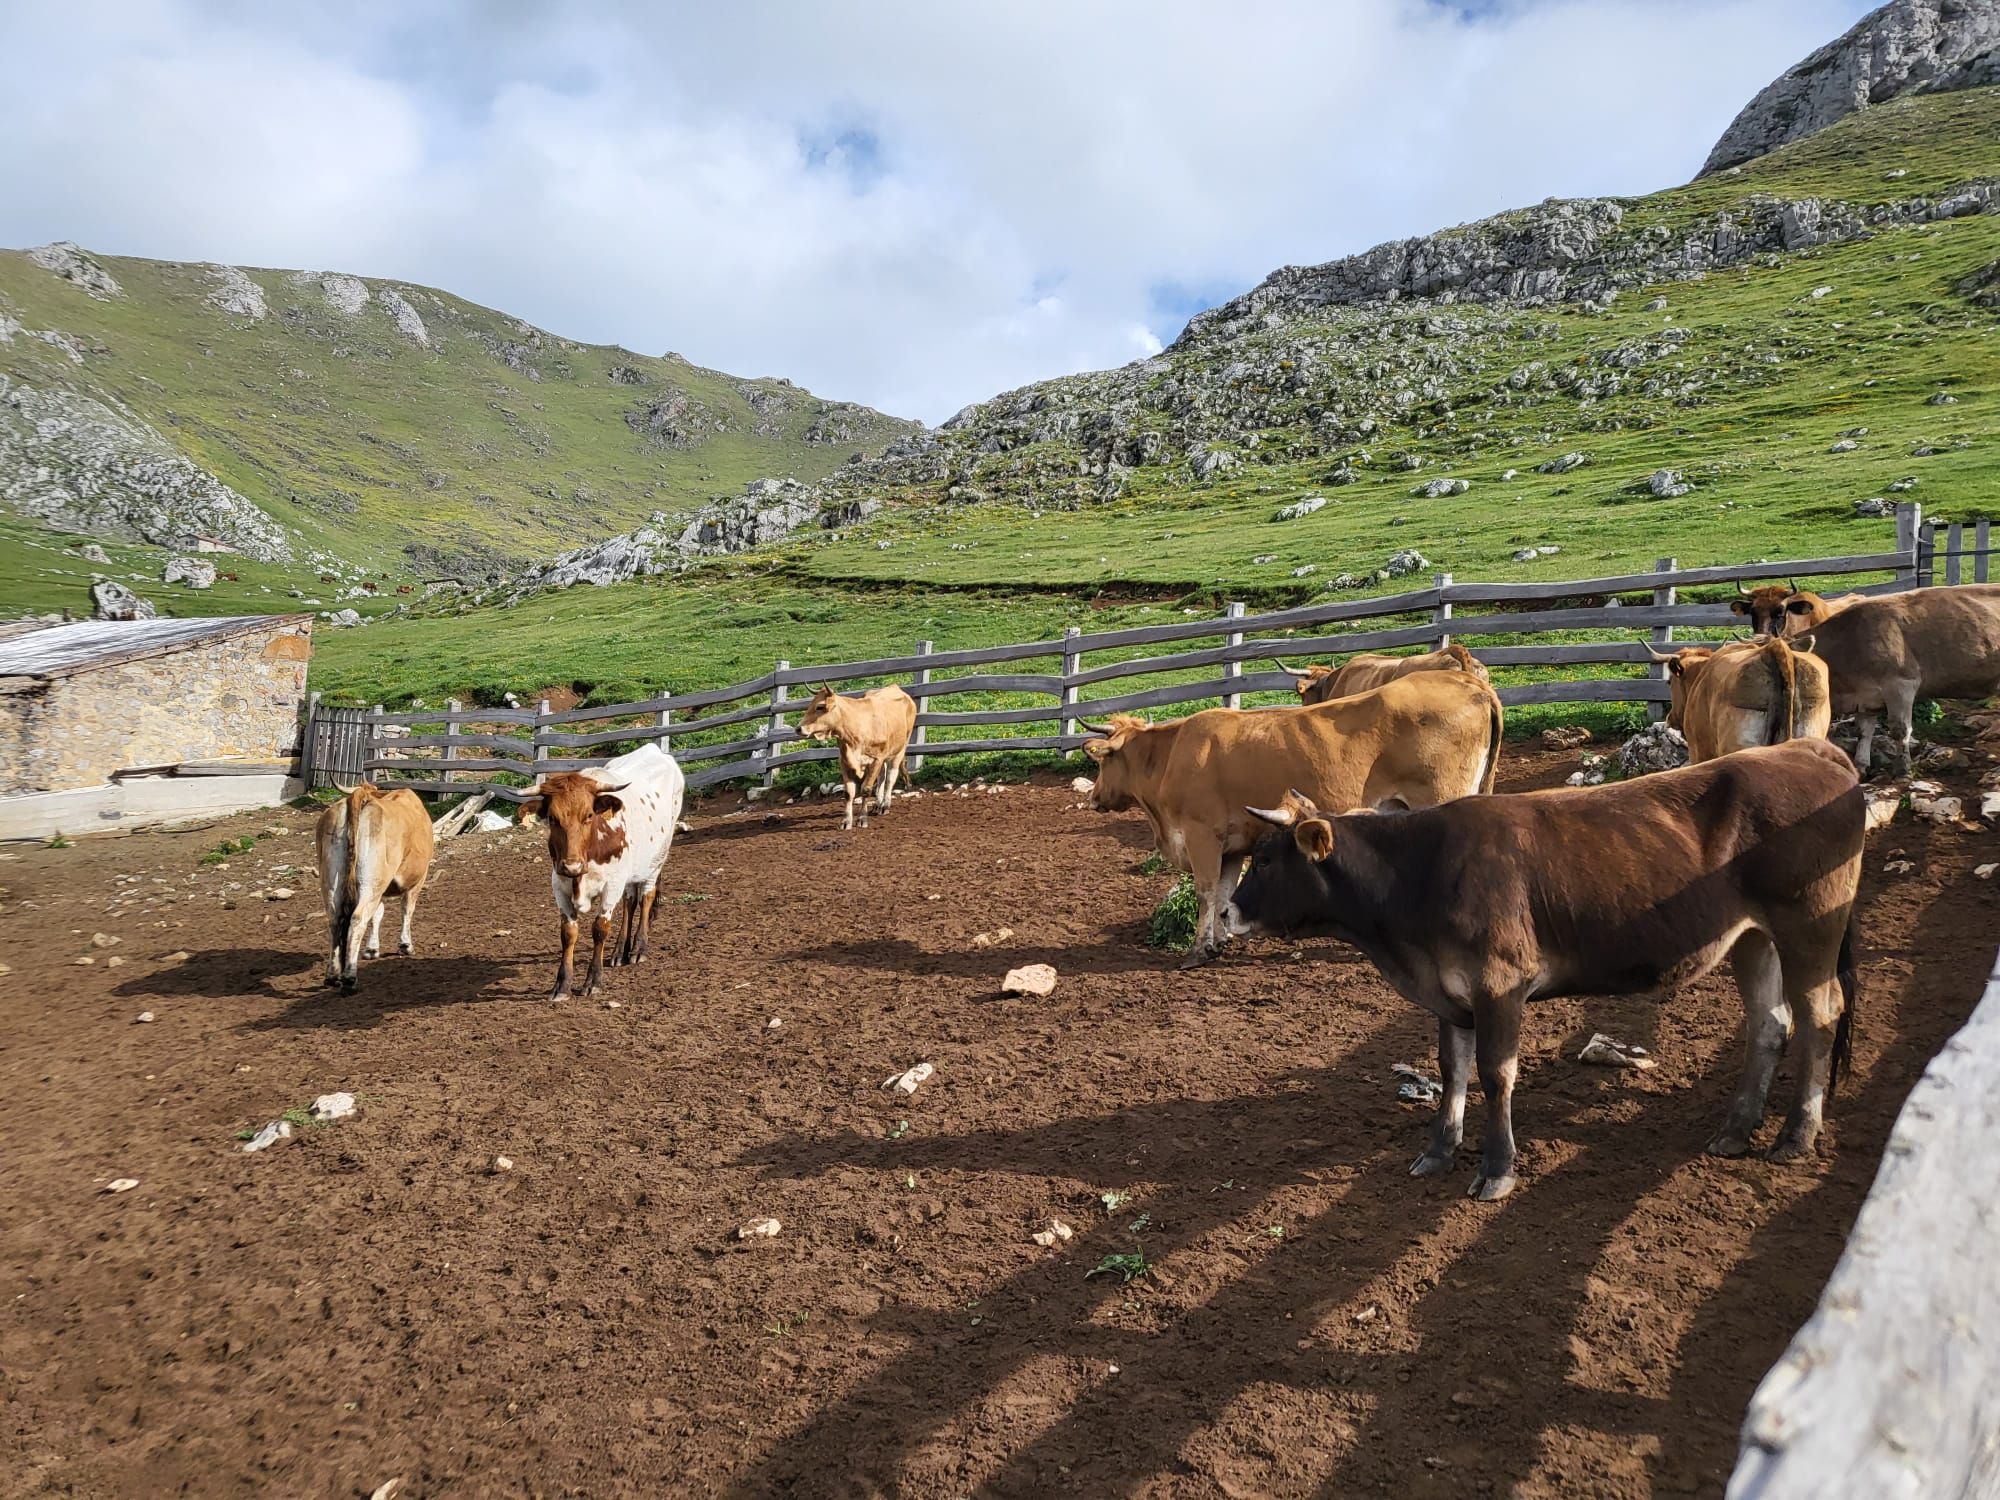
[(373, 1300)]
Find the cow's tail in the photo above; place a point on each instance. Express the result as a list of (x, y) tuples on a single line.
[(1467, 662), (1849, 974), (1495, 726), (1785, 679), (350, 873)]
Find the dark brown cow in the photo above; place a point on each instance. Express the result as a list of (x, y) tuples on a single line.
[(1475, 907), (1369, 669)]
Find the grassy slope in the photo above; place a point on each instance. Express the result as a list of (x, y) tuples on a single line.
[(364, 442)]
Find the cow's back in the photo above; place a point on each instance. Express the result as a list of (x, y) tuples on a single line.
[(654, 790), (1946, 638)]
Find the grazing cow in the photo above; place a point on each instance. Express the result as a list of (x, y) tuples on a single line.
[(372, 845), (1370, 669), (1474, 908), (873, 731), (1745, 693), (1884, 653), (1417, 740), (609, 832)]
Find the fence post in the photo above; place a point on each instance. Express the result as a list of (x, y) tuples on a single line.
[(1980, 531), (1927, 554), (1233, 668), (665, 717), (450, 733), (915, 763), (1954, 541), (306, 737), (774, 726), (541, 718), (373, 738), (1663, 635), (1909, 520), (1441, 616), (1072, 664)]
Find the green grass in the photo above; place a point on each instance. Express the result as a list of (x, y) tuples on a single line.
[(1171, 924)]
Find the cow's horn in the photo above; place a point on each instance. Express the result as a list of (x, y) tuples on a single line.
[(1103, 731), (1741, 591), (1792, 584), (1802, 644), (1291, 672), (1659, 656), (1280, 817)]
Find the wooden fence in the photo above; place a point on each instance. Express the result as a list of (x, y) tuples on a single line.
[(436, 752)]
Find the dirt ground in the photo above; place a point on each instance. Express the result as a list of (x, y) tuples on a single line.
[(373, 1300)]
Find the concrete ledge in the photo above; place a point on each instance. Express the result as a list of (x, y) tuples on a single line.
[(142, 802)]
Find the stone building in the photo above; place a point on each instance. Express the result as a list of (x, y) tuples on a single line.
[(131, 722)]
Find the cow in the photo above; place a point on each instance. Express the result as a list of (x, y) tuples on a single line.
[(1368, 669), (1764, 606), (1884, 653), (1473, 908), (873, 731), (1414, 741), (371, 845), (609, 832), (1756, 692)]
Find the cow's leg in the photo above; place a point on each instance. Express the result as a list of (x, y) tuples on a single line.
[(600, 933), (566, 966), (1864, 748), (1900, 709), (1497, 1045), (367, 915), (891, 769), (870, 779), (374, 949), (849, 778), (405, 944), (645, 923), (1208, 869), (1815, 1015), (1767, 1022), (1455, 1060), (336, 937)]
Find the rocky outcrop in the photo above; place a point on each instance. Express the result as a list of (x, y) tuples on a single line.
[(1907, 47), (111, 600), (346, 295), (237, 294), (78, 465), (73, 264), (408, 323), (195, 572)]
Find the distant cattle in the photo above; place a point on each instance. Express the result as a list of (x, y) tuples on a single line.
[(873, 730), (371, 845), (609, 832), (1417, 740), (1882, 654), (1476, 907), (1745, 693), (1367, 669)]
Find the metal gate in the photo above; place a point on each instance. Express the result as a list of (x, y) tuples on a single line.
[(336, 746)]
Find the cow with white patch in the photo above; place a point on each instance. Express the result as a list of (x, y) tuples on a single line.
[(609, 832), (371, 845), (873, 731)]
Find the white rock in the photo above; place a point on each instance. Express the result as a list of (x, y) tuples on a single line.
[(281, 893), (1882, 804), (1985, 872), (121, 1184), (503, 1163), (759, 1229), (1029, 979), (1989, 805), (1082, 785), (492, 822), (144, 1018), (1054, 1235), (104, 940), (774, 1023), (907, 1083), (1898, 867), (332, 1106), (388, 1489), (1609, 1052), (1937, 809), (270, 1135)]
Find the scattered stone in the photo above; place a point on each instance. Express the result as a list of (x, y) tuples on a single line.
[(1608, 1052), (1943, 758), (1667, 484), (195, 572), (1029, 979), (492, 821), (1565, 737), (1657, 747), (1528, 554), (332, 1107), (759, 1229), (68, 260), (178, 956), (1845, 445), (1416, 1086), (1300, 509), (1989, 805), (1899, 486), (1874, 507), (280, 893), (503, 1164), (1563, 464), (1820, 291), (1405, 562), (388, 1489), (1881, 804), (270, 1135), (1438, 489), (1305, 570), (1935, 808), (114, 961), (342, 618), (1984, 872), (1510, 474), (1054, 1235), (1083, 786), (84, 961), (1898, 867), (908, 1083), (144, 1018), (1592, 773), (91, 552), (121, 1184), (989, 939), (1941, 398)]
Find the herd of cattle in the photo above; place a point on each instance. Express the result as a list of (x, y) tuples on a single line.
[(1367, 812)]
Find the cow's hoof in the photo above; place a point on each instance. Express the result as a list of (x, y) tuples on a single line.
[(1490, 1189), (555, 995), (1790, 1147), (1429, 1165), (1728, 1143), (331, 980), (348, 984), (1199, 956), (371, 952)]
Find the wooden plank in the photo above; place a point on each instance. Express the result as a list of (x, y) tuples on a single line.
[(1635, 617), (1890, 1388), (1981, 549), (1595, 690), (1635, 583), (463, 763), (1564, 656), (463, 716), (450, 742), (991, 682), (1954, 545), (1050, 713), (1190, 692), (613, 736)]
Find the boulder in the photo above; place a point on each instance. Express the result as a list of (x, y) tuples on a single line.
[(1657, 747), (1563, 463), (195, 572), (1029, 979), (1299, 509), (1438, 489), (111, 600), (1667, 484)]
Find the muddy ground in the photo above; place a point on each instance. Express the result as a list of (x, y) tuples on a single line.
[(374, 1301)]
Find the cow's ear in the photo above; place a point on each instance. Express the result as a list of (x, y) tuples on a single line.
[(1097, 749), (1739, 606), (1677, 668), (605, 804), (1314, 836), (1798, 606), (534, 807)]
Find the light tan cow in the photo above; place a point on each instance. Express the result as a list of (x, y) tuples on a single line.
[(873, 730), (372, 845), (1415, 741), (1744, 694), (1369, 669), (1884, 653)]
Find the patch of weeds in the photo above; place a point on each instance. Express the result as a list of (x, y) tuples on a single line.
[(781, 1327), (1928, 711), (1276, 1231), (300, 1118), (1141, 1224), (1114, 1199), (1153, 864), (1172, 923), (57, 841), (1128, 1268), (900, 1129), (690, 898), (228, 849)]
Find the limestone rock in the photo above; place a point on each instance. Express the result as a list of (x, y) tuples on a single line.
[(1299, 509), (1437, 489), (332, 1107), (408, 323), (237, 294), (1667, 484), (111, 600), (69, 261), (1029, 979), (1657, 747), (195, 572), (1563, 463)]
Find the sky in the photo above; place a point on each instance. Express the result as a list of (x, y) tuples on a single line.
[(910, 203)]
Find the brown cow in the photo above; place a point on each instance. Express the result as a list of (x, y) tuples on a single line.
[(1474, 908), (372, 845), (1369, 669), (1745, 693), (1884, 653), (873, 730), (1417, 740), (1764, 606)]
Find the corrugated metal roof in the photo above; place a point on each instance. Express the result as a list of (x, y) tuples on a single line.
[(63, 649)]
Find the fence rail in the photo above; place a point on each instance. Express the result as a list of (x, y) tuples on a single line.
[(407, 748)]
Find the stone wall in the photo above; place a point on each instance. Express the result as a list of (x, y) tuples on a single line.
[(233, 698)]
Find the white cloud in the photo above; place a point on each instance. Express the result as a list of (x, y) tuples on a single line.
[(910, 204)]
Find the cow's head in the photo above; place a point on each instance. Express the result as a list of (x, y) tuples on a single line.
[(1115, 788), (586, 820), (1763, 607), (823, 716), (1284, 890), (1804, 612), (1313, 683), (1683, 667)]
